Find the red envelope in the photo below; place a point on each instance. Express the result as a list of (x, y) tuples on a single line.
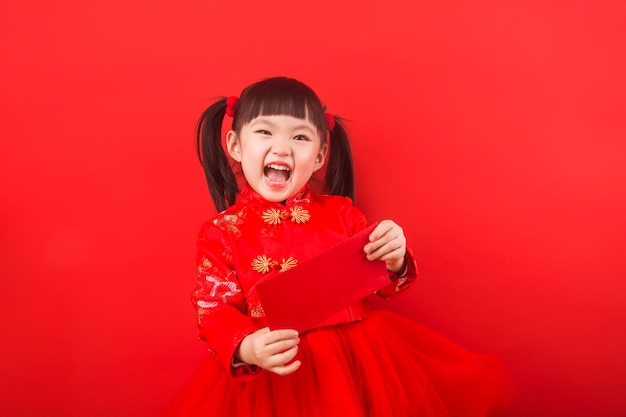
[(319, 287)]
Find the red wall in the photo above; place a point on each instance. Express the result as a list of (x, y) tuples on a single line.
[(493, 131)]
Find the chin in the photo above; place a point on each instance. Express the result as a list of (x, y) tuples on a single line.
[(274, 196)]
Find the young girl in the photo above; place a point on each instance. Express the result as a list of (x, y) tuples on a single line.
[(355, 363)]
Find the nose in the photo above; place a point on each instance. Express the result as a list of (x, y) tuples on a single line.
[(281, 145)]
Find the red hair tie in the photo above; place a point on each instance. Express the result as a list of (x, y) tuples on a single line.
[(330, 119), (231, 102)]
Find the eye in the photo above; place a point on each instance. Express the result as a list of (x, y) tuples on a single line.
[(263, 132), (300, 137)]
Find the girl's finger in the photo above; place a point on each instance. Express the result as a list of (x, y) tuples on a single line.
[(281, 346), (280, 359), (393, 255), (286, 369), (286, 356), (278, 335), (384, 249), (380, 230)]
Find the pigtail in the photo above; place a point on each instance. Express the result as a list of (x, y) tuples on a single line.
[(339, 178), (219, 175)]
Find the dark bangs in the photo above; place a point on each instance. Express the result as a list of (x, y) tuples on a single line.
[(280, 96)]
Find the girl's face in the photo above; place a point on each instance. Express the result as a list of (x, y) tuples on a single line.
[(278, 154)]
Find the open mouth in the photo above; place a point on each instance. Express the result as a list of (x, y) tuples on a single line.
[(277, 173)]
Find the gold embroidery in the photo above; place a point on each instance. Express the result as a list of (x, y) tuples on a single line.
[(230, 222), (299, 214), (262, 264), (257, 311), (204, 265), (227, 253), (273, 216), (288, 263)]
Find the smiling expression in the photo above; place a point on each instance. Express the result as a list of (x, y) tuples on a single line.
[(278, 154)]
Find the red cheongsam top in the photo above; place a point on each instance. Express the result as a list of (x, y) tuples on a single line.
[(255, 239)]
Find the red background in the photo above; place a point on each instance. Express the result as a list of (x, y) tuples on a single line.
[(492, 131)]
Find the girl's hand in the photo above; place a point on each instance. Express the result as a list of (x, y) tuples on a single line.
[(387, 243), (271, 350)]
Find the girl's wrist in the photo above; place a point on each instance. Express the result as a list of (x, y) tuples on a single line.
[(239, 355), (399, 268)]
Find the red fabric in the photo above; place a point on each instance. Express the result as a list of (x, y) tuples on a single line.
[(231, 102), (381, 365), (330, 119), (312, 291)]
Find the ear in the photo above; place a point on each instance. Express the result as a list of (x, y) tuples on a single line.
[(233, 146), (321, 157)]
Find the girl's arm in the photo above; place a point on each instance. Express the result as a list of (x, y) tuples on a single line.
[(219, 302)]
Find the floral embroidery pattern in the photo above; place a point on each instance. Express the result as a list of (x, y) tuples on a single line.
[(299, 214), (204, 265), (205, 305), (257, 311), (230, 222), (262, 264), (273, 216), (216, 288), (227, 251), (288, 263), (229, 290)]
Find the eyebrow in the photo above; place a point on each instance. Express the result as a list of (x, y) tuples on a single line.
[(302, 126)]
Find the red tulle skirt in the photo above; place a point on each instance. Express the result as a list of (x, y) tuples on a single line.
[(381, 366)]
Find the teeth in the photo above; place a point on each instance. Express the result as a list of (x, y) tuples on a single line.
[(278, 167)]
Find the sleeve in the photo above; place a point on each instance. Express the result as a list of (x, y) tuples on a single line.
[(220, 303), (401, 282)]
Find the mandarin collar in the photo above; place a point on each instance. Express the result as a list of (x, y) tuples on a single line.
[(248, 196)]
